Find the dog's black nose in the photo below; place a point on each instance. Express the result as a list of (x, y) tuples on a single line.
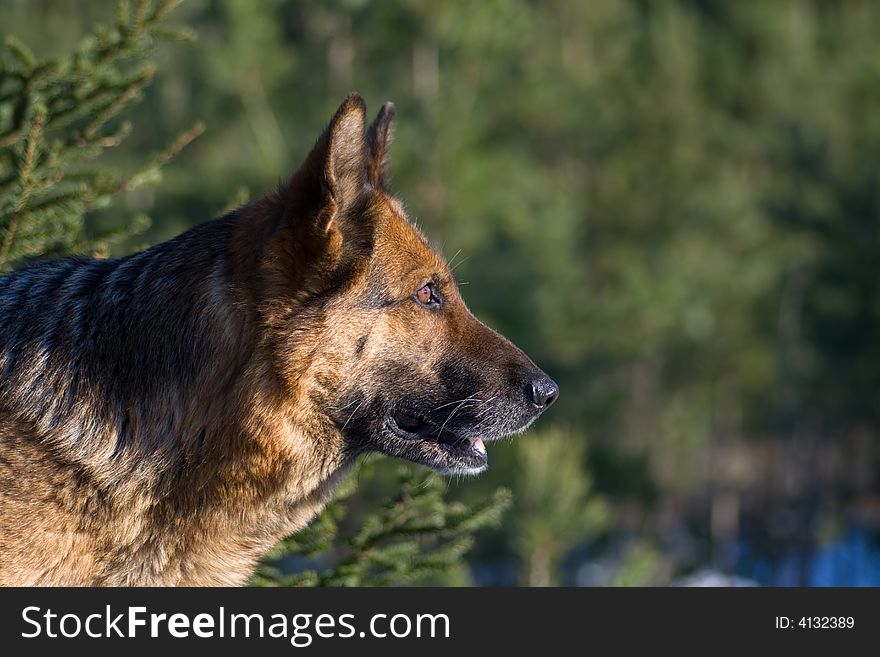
[(544, 391)]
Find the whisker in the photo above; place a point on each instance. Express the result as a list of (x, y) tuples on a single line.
[(468, 398), (356, 408), (450, 416), (452, 259), (342, 408), (459, 263)]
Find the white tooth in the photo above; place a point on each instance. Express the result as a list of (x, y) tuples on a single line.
[(479, 446)]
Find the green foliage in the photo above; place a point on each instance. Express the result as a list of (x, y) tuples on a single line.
[(641, 565), (416, 537), (555, 506), (57, 120), (672, 207)]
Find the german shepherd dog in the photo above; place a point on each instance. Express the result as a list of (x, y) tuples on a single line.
[(167, 417)]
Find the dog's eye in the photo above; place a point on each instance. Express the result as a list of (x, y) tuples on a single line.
[(425, 295)]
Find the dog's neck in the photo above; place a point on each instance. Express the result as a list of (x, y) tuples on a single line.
[(254, 465), (197, 461)]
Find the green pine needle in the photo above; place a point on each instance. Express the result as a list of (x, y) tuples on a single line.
[(414, 538)]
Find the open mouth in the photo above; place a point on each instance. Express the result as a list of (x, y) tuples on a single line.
[(440, 448)]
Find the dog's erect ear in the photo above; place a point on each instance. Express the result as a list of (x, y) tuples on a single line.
[(379, 144), (333, 175)]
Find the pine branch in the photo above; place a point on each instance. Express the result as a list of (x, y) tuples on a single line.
[(22, 54), (116, 105), (149, 172), (58, 118), (414, 537), (24, 181)]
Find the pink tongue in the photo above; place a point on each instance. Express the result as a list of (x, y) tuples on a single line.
[(479, 446)]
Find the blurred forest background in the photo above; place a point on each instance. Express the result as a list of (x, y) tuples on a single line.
[(673, 207)]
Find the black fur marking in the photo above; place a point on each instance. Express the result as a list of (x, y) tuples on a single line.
[(460, 379), (95, 319), (377, 297), (121, 437)]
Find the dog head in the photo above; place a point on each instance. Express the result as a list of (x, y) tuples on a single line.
[(369, 332)]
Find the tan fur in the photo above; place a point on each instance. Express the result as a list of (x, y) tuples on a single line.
[(183, 409)]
